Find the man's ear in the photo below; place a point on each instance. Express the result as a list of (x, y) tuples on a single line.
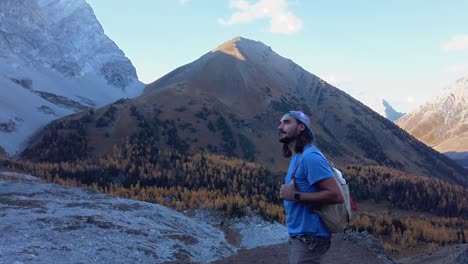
[(301, 127)]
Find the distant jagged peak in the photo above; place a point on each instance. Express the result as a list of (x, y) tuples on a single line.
[(459, 88), (462, 81), (381, 106), (230, 47), (390, 112), (452, 96)]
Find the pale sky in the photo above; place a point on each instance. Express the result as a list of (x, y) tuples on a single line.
[(406, 52)]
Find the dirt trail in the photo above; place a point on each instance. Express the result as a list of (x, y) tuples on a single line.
[(356, 248)]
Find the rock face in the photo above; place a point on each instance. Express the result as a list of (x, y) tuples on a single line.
[(63, 35), (55, 60), (49, 223)]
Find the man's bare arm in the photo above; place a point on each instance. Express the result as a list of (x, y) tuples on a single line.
[(330, 193)]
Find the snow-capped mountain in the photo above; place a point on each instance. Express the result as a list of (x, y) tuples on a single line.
[(384, 108), (55, 60), (442, 123), (376, 103), (390, 112)]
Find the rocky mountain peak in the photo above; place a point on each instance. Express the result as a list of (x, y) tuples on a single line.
[(458, 93), (230, 47), (441, 123), (244, 74), (460, 85), (451, 102), (55, 60), (64, 36), (243, 48)]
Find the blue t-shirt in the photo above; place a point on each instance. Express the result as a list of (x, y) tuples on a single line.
[(313, 167)]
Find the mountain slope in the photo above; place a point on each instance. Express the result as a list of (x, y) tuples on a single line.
[(229, 102), (55, 60), (442, 123)]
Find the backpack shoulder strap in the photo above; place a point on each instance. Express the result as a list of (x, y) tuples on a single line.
[(293, 175), (332, 166)]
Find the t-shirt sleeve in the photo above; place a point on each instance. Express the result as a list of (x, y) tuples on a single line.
[(316, 167)]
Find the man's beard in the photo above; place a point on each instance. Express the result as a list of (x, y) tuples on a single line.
[(287, 139)]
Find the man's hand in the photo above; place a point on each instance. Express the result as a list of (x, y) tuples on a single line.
[(287, 192)]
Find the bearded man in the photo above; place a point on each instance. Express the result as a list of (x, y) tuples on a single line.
[(309, 183)]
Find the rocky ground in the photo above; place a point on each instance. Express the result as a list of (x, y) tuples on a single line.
[(49, 223), (263, 242), (346, 248), (450, 254), (246, 232)]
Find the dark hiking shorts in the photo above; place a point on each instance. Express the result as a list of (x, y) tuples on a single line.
[(307, 249)]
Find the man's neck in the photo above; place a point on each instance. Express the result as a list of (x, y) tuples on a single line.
[(292, 146)]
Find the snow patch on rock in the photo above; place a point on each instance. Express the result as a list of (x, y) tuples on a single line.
[(254, 230)]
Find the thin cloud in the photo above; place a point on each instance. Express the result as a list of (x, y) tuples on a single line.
[(184, 2), (338, 79), (458, 42), (458, 68), (282, 21)]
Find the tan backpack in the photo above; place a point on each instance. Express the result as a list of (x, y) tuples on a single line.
[(336, 217)]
